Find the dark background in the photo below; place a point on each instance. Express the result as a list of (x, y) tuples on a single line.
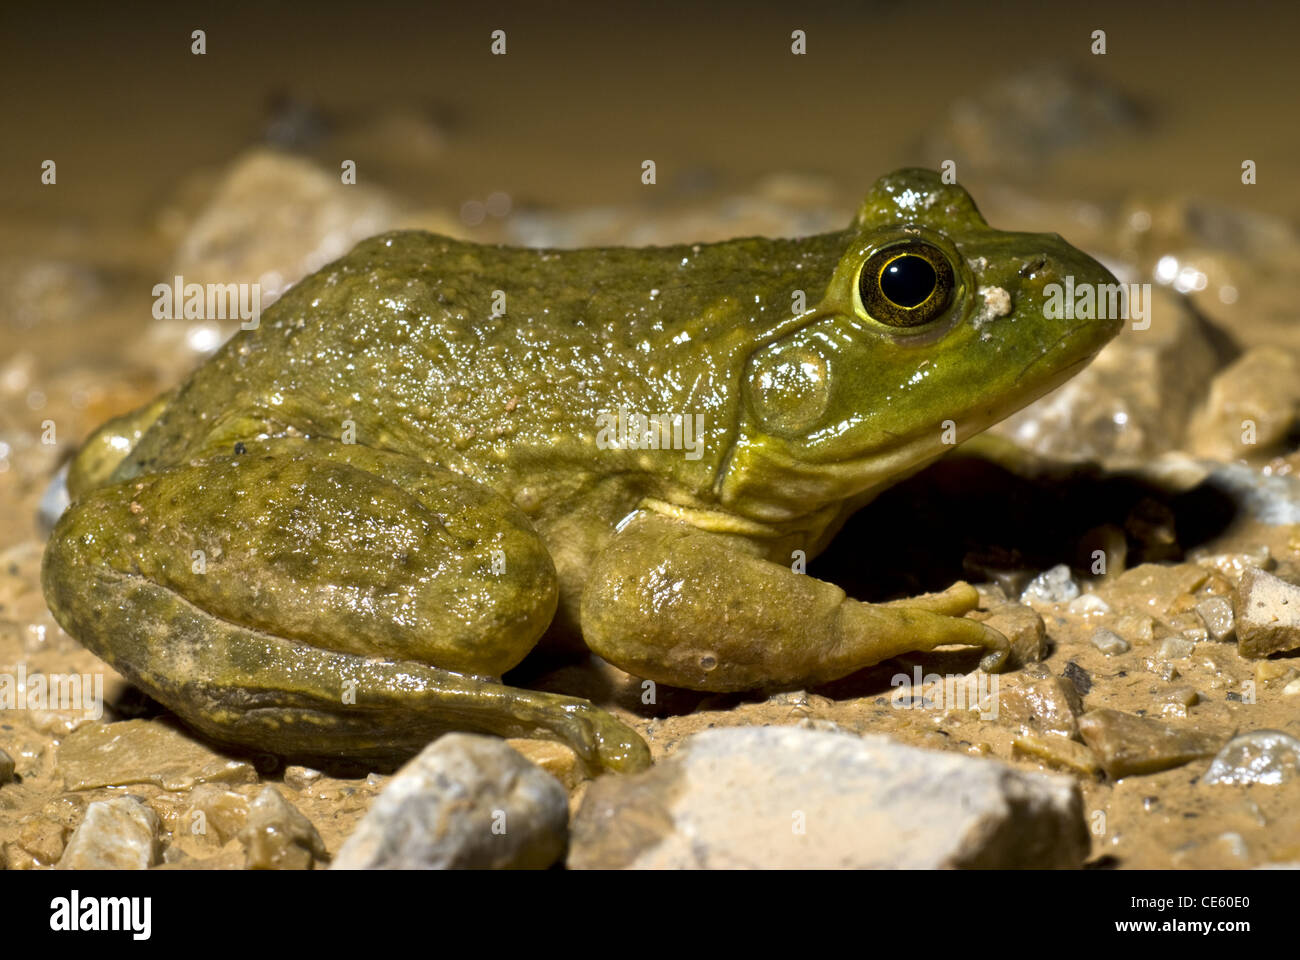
[(588, 91)]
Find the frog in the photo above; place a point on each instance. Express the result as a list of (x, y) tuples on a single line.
[(338, 534)]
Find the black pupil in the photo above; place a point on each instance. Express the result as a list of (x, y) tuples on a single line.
[(908, 280)]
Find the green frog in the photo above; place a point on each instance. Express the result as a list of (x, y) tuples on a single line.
[(336, 536)]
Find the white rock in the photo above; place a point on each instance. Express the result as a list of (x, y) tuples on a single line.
[(1109, 642), (117, 834), (466, 801), (1088, 603), (784, 797)]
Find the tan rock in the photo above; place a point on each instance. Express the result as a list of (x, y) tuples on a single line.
[(1150, 589), (1267, 611), (1252, 405), (1058, 751), (555, 758), (467, 801), (277, 836), (1024, 628), (158, 751), (1127, 744), (1047, 706), (1135, 399)]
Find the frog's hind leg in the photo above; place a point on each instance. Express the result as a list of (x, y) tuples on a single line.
[(287, 697), (311, 598)]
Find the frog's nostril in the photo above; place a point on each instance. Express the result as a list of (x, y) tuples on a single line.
[(1033, 265)]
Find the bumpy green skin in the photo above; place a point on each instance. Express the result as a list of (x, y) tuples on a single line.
[(343, 527)]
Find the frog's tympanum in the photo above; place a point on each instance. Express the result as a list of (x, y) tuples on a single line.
[(339, 532)]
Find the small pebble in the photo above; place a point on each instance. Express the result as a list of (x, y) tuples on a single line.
[(1272, 671), (1080, 677), (277, 836), (1056, 585), (1189, 625), (1176, 701), (1136, 628), (1109, 642), (1216, 612), (1186, 696), (1175, 648), (1088, 603), (6, 767), (300, 778), (1233, 565), (466, 802), (1041, 706), (1024, 628), (1162, 668)]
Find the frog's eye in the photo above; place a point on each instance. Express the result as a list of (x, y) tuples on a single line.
[(906, 284)]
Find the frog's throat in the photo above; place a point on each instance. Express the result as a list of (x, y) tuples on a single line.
[(767, 485), (762, 482)]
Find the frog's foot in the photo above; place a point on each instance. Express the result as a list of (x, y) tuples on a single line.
[(950, 604), (697, 609), (926, 627), (313, 599)]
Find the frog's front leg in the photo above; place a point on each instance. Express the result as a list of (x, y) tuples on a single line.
[(687, 607), (312, 598)]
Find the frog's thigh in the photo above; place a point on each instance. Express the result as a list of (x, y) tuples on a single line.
[(309, 605), (310, 542), (695, 609)]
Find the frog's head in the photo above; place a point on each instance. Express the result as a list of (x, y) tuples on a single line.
[(933, 327)]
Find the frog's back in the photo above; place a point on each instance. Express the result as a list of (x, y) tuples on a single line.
[(498, 361)]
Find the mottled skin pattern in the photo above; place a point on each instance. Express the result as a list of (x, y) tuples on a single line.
[(336, 534)]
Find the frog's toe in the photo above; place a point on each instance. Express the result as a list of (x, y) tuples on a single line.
[(621, 748), (960, 598), (999, 649), (603, 742)]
